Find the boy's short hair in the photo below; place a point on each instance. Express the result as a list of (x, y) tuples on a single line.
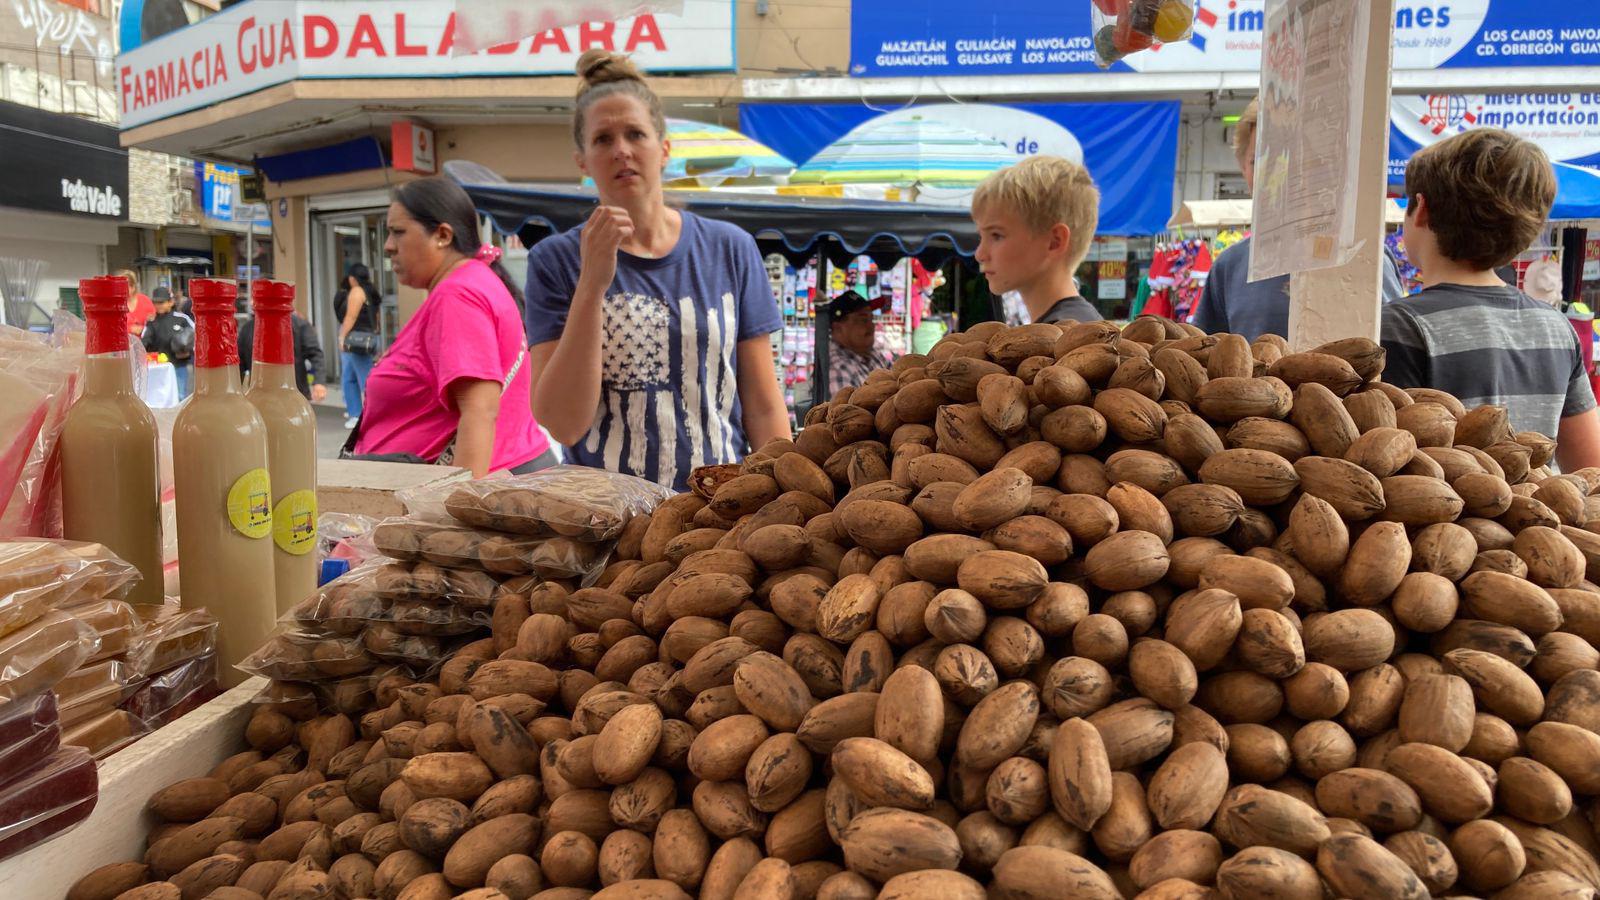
[(1244, 131), (1043, 191), (1488, 193)]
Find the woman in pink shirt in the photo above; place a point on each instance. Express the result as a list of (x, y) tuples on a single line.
[(454, 386)]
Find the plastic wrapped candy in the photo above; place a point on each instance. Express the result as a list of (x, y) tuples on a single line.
[(1124, 27), (38, 655), (37, 576), (30, 730), (46, 799)]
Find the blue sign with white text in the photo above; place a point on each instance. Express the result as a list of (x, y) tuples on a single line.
[(1030, 37), (1130, 149), (220, 198)]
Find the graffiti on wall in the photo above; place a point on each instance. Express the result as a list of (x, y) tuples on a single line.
[(68, 30)]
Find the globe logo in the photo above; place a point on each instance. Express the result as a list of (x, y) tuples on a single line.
[(1447, 111)]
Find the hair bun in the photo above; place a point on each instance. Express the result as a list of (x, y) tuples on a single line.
[(597, 67)]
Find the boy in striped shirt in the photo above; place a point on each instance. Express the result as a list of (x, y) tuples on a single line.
[(1476, 200)]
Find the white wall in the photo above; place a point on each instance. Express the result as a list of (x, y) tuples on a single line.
[(72, 248), (1204, 149)]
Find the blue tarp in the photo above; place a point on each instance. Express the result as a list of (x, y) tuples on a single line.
[(1131, 149)]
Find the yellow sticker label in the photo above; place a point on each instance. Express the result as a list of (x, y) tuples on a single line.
[(250, 504), (294, 522)]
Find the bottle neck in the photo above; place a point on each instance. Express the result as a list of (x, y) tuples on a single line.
[(272, 375), (216, 342), (216, 380), (274, 339), (107, 374), (106, 332)]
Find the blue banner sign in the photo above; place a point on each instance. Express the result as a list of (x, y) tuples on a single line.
[(1030, 37), (1130, 149)]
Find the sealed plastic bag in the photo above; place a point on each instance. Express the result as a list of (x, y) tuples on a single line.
[(174, 692), (425, 582), (114, 621), (347, 607), (38, 655), (568, 501), (45, 800), (39, 378), (94, 690), (346, 536), (1124, 27), (107, 733), (40, 575), (171, 637), (416, 540), (30, 730), (309, 656)]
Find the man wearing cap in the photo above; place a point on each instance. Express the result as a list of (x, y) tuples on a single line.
[(171, 332), (851, 350), (307, 356)]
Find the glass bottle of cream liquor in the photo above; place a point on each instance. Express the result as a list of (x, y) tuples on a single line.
[(224, 491), (110, 486), (291, 442)]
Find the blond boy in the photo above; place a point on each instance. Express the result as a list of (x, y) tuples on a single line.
[(1035, 221)]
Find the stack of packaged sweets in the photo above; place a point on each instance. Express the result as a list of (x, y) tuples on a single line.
[(465, 551)]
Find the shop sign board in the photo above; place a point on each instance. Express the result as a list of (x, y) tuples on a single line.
[(413, 147), (1113, 281), (62, 164), (255, 45), (1566, 125), (222, 194), (1032, 37), (1591, 261)]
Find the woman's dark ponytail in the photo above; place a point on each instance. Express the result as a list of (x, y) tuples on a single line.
[(439, 201)]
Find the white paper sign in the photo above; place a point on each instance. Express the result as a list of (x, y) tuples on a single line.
[(1313, 76)]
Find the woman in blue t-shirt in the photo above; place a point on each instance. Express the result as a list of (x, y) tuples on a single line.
[(648, 326)]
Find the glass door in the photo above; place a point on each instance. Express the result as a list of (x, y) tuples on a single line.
[(340, 240)]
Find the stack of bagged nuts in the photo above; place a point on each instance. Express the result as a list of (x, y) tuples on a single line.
[(1047, 613)]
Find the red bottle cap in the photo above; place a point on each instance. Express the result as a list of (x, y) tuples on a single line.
[(216, 339), (273, 302), (105, 309), (213, 295)]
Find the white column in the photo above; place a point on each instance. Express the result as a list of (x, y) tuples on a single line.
[(1344, 301)]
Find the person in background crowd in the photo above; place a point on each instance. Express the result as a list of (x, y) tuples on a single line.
[(648, 326), (307, 356), (356, 305), (851, 344), (1035, 222), (171, 332), (1231, 301), (454, 386), (140, 309), (1476, 201)]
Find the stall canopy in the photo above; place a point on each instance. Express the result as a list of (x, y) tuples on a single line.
[(796, 227), (1130, 149)]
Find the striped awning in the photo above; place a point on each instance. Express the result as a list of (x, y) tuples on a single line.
[(906, 152)]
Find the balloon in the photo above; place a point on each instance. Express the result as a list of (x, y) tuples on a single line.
[(1127, 40), (1173, 21)]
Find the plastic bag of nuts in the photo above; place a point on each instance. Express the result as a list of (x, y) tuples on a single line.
[(569, 501), (458, 546)]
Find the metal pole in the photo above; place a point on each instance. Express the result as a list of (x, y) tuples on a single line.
[(824, 331)]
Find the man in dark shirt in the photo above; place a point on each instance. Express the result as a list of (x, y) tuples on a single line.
[(1035, 222), (172, 333), (307, 356)]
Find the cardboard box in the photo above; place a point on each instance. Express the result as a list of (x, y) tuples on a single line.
[(366, 488)]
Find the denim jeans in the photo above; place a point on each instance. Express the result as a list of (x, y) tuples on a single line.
[(356, 368), (184, 371)]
